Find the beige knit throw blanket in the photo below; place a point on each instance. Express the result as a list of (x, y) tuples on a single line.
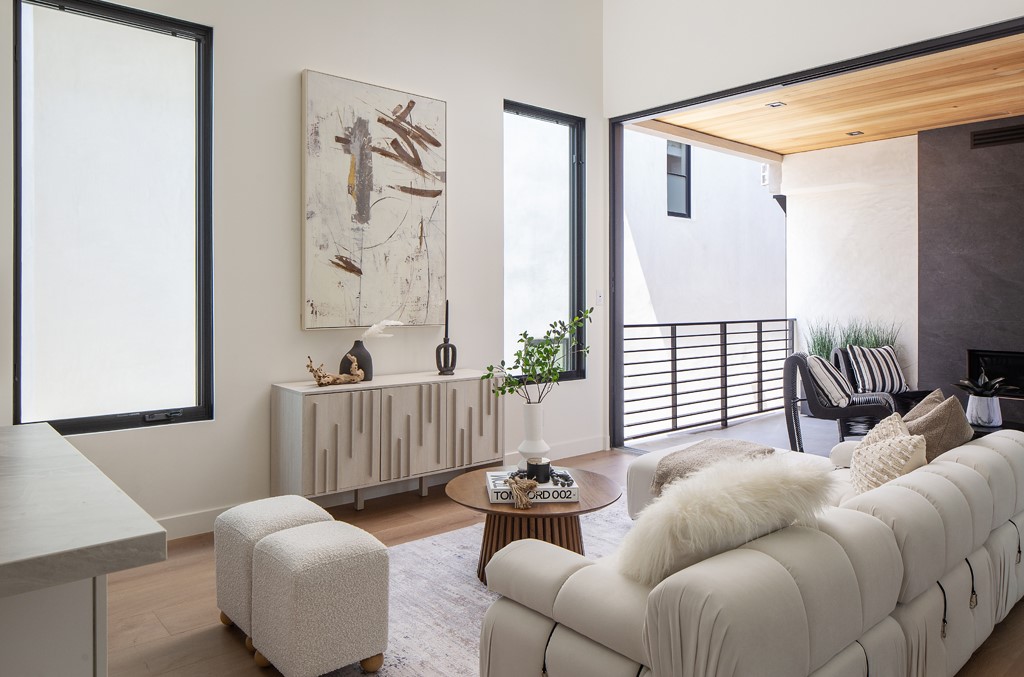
[(687, 461)]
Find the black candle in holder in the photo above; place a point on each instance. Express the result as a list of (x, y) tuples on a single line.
[(538, 468), (446, 353)]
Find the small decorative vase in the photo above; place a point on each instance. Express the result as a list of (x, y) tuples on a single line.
[(984, 411), (362, 355), (446, 353), (445, 356), (533, 433)]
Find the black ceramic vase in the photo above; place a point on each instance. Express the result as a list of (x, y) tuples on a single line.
[(362, 355)]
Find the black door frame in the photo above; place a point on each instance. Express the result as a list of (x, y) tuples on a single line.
[(615, 174)]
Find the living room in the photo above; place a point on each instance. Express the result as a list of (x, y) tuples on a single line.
[(592, 60)]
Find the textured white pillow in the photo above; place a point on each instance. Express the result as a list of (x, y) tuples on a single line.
[(719, 508), (885, 453), (875, 464), (890, 426)]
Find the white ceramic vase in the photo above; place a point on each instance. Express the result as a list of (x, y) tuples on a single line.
[(533, 433), (984, 411)]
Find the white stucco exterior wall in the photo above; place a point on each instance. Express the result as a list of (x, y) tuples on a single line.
[(726, 262), (852, 237)]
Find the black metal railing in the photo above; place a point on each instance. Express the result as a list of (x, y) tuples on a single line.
[(693, 374)]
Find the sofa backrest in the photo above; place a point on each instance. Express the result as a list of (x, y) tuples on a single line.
[(999, 458), (943, 512), (784, 604)]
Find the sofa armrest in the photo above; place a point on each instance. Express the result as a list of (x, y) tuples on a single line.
[(532, 572), (842, 454)]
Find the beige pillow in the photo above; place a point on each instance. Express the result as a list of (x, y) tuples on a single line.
[(943, 428), (876, 463), (934, 399)]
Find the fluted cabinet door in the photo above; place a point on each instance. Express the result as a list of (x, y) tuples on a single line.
[(412, 431), (475, 424), (344, 451)]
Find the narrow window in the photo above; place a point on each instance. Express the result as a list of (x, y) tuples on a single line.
[(544, 224), (113, 217), (678, 156)]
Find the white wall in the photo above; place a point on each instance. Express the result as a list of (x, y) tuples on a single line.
[(658, 52), (472, 55), (726, 262), (852, 237)]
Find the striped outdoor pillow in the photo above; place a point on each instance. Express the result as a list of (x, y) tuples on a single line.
[(876, 370), (831, 385)]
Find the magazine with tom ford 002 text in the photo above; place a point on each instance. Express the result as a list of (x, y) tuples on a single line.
[(498, 491)]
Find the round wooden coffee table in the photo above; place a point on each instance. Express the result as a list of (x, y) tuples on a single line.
[(556, 523)]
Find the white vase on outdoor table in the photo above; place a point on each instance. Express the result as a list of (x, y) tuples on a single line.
[(984, 411), (533, 433)]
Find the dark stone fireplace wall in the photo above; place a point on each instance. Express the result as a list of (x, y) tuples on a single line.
[(970, 253)]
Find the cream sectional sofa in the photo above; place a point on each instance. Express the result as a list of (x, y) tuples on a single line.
[(905, 580)]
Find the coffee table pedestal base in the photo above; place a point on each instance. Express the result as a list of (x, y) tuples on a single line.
[(501, 529)]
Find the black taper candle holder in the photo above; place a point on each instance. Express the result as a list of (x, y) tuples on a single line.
[(445, 354)]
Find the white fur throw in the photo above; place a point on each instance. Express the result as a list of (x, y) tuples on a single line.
[(719, 508)]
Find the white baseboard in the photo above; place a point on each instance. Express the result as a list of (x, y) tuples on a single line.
[(201, 522), (192, 523)]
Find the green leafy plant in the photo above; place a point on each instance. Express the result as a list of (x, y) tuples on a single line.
[(539, 361), (985, 386)]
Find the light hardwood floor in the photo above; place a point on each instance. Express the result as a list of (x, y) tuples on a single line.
[(163, 618)]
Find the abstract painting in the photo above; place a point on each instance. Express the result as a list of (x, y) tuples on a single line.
[(373, 204)]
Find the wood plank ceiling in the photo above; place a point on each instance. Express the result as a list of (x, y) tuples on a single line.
[(969, 84)]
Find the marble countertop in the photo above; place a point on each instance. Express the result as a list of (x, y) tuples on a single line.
[(61, 518)]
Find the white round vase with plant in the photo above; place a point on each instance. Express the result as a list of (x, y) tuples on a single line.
[(983, 402), (534, 373)]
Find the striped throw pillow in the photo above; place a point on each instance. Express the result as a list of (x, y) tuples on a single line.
[(832, 386), (876, 370)]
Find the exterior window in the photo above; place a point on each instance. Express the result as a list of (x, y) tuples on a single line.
[(544, 224), (113, 218), (678, 155)]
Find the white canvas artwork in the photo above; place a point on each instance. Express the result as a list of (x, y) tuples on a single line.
[(373, 205)]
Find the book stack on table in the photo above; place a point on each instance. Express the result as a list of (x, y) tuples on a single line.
[(549, 492)]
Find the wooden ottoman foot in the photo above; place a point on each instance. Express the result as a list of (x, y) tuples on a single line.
[(261, 660), (373, 663), (248, 644), (225, 620)]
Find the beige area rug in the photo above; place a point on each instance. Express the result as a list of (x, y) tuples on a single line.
[(438, 604)]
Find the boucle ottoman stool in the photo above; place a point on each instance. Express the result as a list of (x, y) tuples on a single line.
[(236, 533), (320, 599)]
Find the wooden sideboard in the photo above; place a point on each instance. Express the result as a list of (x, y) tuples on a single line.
[(395, 427)]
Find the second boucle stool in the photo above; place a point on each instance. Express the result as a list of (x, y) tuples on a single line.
[(320, 599), (235, 534)]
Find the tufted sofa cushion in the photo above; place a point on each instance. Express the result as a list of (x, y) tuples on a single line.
[(784, 604)]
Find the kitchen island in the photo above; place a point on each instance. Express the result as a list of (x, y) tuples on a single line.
[(64, 526)]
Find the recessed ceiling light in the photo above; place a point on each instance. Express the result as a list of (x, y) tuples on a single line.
[(775, 104), (854, 133)]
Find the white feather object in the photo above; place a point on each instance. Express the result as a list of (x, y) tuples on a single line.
[(377, 330), (720, 508)]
